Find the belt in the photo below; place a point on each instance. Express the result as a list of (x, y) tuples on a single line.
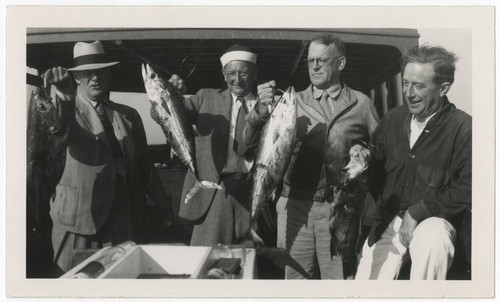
[(235, 175)]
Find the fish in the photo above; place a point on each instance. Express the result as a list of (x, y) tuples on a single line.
[(274, 153), (167, 110), (345, 213), (46, 155)]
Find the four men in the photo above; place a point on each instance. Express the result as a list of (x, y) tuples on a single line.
[(419, 174)]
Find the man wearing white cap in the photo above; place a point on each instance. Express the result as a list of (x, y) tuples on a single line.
[(107, 171), (222, 216)]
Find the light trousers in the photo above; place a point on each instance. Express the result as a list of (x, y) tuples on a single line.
[(431, 251), (303, 233)]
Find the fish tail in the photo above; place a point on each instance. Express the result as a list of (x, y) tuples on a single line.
[(198, 185)]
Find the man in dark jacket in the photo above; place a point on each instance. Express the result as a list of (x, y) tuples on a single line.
[(331, 118), (421, 168)]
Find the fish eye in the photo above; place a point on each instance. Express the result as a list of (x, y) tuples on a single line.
[(41, 107)]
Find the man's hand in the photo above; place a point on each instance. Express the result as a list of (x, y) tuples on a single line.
[(266, 94), (178, 83), (360, 157), (407, 227), (61, 78)]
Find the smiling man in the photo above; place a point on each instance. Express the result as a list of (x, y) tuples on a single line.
[(331, 118), (421, 175), (222, 216)]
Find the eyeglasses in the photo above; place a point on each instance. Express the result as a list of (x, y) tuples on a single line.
[(241, 74), (320, 62)]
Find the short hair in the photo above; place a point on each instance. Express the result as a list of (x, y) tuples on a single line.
[(328, 39), (441, 59)]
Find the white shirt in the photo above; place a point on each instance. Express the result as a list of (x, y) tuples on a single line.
[(416, 130), (234, 162)]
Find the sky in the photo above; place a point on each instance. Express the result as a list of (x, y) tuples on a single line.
[(460, 42)]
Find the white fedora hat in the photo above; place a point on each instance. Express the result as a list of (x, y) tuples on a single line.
[(88, 56)]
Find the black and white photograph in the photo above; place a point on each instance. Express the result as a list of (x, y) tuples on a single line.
[(285, 153)]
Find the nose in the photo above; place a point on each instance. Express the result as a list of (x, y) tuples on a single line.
[(237, 77), (410, 91)]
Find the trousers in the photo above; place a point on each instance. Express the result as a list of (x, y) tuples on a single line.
[(303, 233), (431, 250)]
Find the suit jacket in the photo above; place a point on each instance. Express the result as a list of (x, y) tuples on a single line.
[(85, 193), (210, 111)]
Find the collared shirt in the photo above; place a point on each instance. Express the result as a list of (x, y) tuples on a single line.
[(234, 162), (326, 104), (416, 130)]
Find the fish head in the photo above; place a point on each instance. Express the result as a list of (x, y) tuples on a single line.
[(44, 112), (286, 108), (154, 83)]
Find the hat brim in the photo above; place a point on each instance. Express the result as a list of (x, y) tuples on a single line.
[(92, 66)]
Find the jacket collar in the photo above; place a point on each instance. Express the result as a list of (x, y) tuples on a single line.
[(345, 100)]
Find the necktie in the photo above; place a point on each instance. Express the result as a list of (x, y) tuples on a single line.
[(110, 132), (239, 147), (325, 105)]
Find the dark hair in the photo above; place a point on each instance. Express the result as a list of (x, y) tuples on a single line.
[(442, 60), (327, 39)]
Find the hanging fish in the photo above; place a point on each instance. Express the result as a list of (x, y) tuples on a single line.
[(167, 109), (273, 154), (46, 147)]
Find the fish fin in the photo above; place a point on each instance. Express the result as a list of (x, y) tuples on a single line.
[(195, 131), (198, 185), (256, 238), (210, 185)]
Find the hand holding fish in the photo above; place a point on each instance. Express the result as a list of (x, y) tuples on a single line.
[(266, 94), (61, 78), (178, 83), (360, 157)]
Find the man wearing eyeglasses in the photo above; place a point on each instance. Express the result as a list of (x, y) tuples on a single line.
[(222, 216), (331, 118)]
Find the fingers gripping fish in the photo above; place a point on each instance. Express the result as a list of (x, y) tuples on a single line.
[(167, 110)]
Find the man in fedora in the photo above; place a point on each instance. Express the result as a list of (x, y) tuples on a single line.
[(222, 216), (108, 172)]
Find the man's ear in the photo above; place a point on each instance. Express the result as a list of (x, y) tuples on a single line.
[(76, 76), (224, 75), (445, 87), (342, 62)]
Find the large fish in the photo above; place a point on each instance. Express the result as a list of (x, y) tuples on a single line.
[(167, 109), (46, 141), (273, 154)]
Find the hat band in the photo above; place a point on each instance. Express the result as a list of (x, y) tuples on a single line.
[(90, 59)]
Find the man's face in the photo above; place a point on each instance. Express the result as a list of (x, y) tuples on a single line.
[(329, 74), (94, 84), (423, 95), (240, 76)]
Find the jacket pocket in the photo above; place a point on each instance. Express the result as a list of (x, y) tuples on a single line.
[(433, 178), (68, 200)]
